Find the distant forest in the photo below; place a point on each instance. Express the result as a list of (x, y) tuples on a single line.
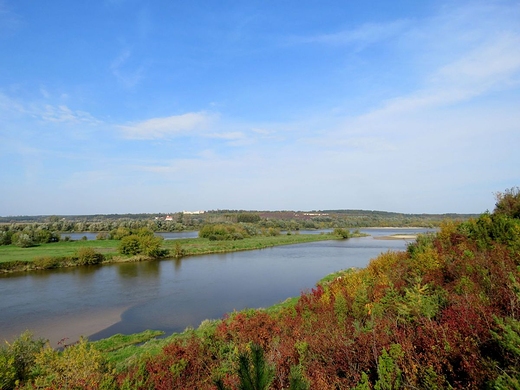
[(314, 219)]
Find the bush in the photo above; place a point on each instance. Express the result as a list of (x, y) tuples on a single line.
[(46, 262), (102, 236), (119, 233), (22, 240), (148, 245), (79, 366), (248, 217), (88, 256), (129, 245), (343, 233), (17, 359), (151, 246), (5, 237), (221, 232), (271, 232), (508, 202)]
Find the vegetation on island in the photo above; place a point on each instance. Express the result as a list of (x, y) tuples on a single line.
[(126, 245), (44, 229), (444, 314)]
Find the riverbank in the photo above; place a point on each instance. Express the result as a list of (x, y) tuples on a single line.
[(64, 254)]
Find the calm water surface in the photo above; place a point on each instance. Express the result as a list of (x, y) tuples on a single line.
[(172, 294)]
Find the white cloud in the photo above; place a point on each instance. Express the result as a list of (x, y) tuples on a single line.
[(492, 65), (160, 128)]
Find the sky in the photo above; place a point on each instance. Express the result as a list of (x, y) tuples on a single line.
[(133, 106)]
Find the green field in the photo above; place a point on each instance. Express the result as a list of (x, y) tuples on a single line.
[(200, 246), (109, 248), (56, 249)]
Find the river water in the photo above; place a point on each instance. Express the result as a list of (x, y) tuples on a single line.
[(170, 295)]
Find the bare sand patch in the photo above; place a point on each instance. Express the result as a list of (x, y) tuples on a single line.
[(397, 237), (69, 327)]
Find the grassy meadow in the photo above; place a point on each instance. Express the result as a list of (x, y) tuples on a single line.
[(14, 258)]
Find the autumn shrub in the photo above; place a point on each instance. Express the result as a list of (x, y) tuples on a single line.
[(442, 314), (78, 366), (182, 365)]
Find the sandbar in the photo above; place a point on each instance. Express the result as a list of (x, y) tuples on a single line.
[(68, 328)]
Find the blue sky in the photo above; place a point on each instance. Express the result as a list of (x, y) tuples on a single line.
[(127, 106)]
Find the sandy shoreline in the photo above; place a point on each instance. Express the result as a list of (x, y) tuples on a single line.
[(397, 237), (68, 327)]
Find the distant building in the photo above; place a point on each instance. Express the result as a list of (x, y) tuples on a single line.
[(168, 218), (193, 212)]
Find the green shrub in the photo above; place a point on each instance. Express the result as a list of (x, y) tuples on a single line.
[(221, 232), (17, 359), (23, 240), (88, 256), (129, 245), (78, 366), (150, 245), (102, 236), (5, 237), (119, 233), (7, 370), (46, 262), (146, 244), (508, 202), (343, 233), (248, 217)]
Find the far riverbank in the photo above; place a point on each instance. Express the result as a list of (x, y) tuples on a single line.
[(64, 254)]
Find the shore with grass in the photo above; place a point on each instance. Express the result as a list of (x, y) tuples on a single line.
[(68, 253)]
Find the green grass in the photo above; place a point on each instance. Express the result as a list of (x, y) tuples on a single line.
[(119, 341), (200, 246), (13, 258), (55, 249)]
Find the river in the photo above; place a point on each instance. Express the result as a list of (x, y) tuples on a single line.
[(170, 295)]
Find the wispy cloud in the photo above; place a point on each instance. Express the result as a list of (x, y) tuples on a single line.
[(489, 63), (168, 127), (364, 35), (119, 67), (63, 114), (55, 113)]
